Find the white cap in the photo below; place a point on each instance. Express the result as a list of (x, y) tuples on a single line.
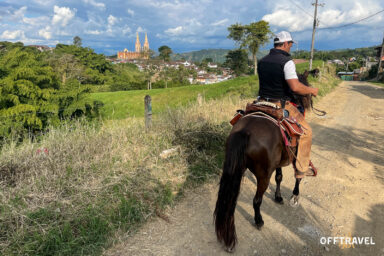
[(282, 37)]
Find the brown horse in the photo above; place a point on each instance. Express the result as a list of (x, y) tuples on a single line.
[(256, 144)]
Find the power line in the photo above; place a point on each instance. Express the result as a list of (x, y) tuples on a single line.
[(348, 24), (298, 6)]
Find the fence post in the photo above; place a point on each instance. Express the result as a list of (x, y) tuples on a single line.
[(321, 72), (199, 99), (148, 112)]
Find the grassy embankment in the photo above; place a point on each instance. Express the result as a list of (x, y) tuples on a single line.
[(123, 104), (95, 182)]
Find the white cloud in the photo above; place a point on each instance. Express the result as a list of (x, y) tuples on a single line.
[(131, 12), (62, 15), (19, 14), (288, 16), (220, 22), (95, 4), (93, 32), (126, 30), (37, 21), (174, 31), (112, 20), (46, 33), (12, 35), (140, 30), (291, 21), (43, 2)]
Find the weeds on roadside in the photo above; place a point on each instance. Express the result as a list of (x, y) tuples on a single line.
[(73, 190)]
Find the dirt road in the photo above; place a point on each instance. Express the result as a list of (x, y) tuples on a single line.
[(346, 199)]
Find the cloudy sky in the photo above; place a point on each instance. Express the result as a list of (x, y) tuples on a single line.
[(185, 25)]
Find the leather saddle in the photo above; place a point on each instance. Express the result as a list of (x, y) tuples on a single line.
[(290, 129)]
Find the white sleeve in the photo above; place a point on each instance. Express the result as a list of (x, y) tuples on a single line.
[(290, 70)]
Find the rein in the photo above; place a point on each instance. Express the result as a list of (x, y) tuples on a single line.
[(322, 113)]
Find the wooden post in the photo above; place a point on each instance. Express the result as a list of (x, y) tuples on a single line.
[(148, 112), (321, 72), (199, 99), (381, 56), (315, 24)]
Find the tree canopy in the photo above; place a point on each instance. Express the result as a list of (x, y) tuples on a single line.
[(250, 37), (77, 41), (237, 60), (165, 52), (32, 95)]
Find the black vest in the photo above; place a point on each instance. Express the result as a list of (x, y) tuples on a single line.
[(271, 75)]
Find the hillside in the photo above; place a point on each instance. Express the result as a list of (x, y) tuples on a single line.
[(338, 53), (123, 104), (217, 55)]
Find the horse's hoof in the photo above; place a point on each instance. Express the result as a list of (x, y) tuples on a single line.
[(294, 201), (259, 225), (279, 200), (230, 249)]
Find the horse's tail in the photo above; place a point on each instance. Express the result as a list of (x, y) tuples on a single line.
[(233, 170)]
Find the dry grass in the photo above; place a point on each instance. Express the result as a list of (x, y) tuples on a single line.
[(70, 193), (85, 172)]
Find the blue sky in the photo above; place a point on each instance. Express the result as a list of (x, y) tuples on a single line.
[(110, 26)]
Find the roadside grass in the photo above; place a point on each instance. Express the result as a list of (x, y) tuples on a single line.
[(377, 83), (94, 182), (83, 185)]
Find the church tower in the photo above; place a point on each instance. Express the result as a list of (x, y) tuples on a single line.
[(137, 44), (146, 44)]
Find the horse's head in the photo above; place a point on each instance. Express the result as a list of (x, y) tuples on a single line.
[(304, 100), (315, 72)]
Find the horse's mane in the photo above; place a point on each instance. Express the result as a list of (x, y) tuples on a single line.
[(304, 100)]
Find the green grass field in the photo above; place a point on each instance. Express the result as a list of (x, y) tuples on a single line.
[(123, 104)]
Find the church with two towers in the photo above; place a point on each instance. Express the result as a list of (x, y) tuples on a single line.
[(141, 52)]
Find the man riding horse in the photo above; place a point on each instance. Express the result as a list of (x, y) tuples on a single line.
[(257, 141), (278, 83)]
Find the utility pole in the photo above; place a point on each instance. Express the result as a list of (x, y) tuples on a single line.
[(380, 60), (315, 24)]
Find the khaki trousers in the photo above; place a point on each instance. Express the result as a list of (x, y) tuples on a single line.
[(305, 142)]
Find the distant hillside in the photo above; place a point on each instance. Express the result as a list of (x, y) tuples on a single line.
[(217, 55), (338, 53)]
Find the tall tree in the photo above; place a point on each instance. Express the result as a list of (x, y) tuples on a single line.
[(26, 91), (77, 41), (31, 95), (165, 52), (237, 60), (251, 37)]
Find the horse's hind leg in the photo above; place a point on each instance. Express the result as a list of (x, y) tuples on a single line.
[(295, 197), (262, 185), (278, 179)]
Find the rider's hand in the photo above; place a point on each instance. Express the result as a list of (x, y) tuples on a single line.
[(315, 91)]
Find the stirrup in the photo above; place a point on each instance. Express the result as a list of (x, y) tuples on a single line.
[(312, 170)]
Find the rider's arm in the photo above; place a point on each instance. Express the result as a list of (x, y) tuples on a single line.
[(300, 88), (293, 81)]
